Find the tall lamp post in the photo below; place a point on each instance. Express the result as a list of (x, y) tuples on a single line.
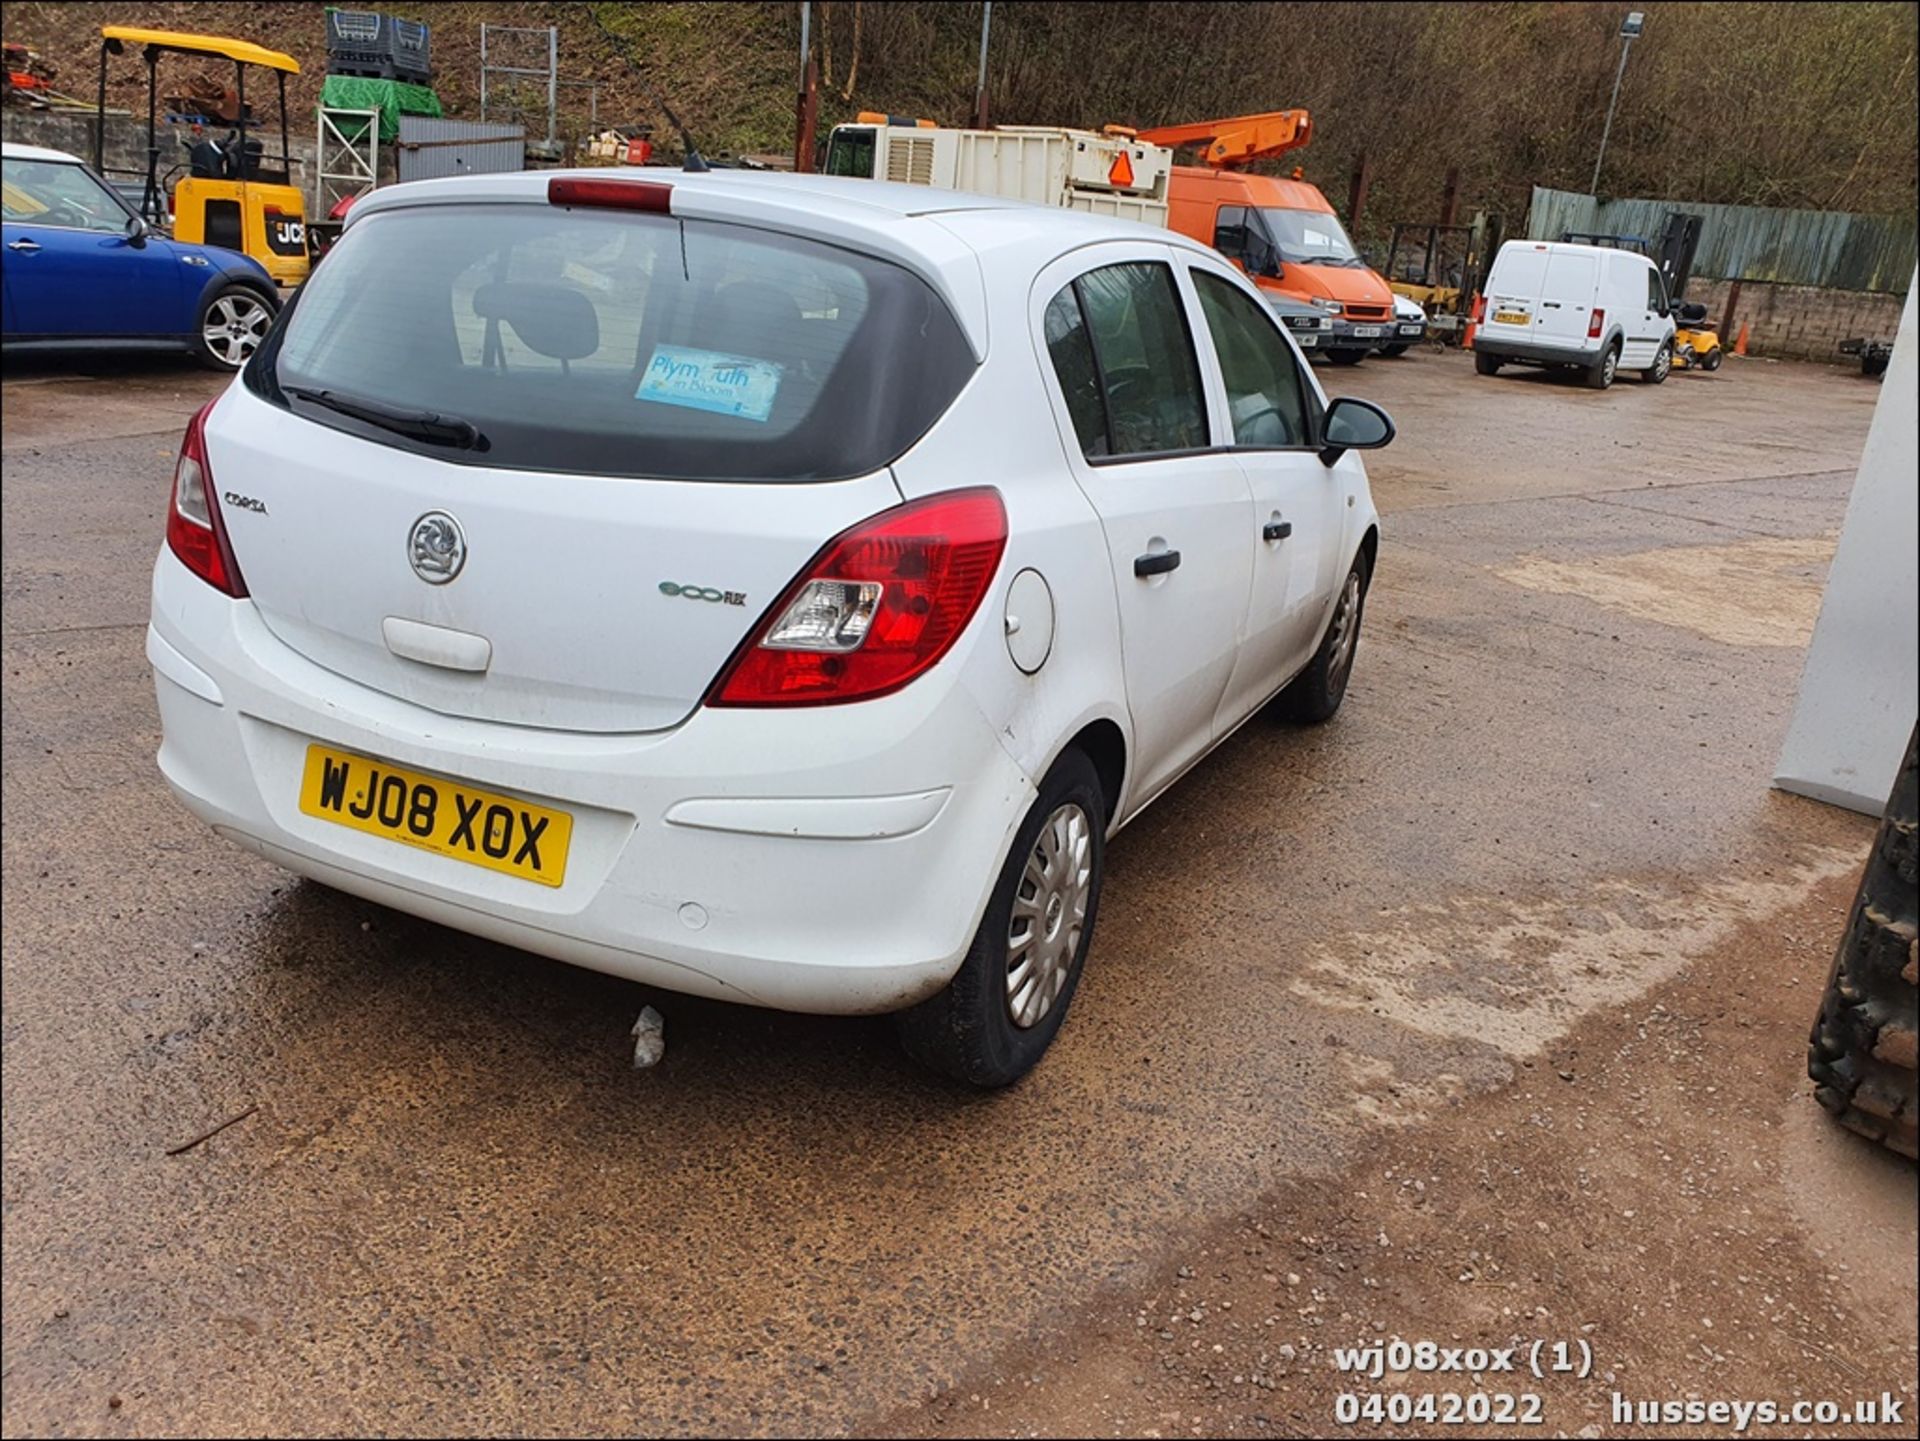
[(1629, 32), (980, 87)]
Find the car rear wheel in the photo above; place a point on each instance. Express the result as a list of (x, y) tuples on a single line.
[(232, 325), (1484, 364), (1315, 694), (1662, 363), (1008, 999), (1599, 376)]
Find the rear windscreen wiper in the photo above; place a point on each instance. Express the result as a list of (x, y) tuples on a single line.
[(425, 425)]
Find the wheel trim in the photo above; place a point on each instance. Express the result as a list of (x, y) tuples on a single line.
[(1608, 365), (1049, 915), (1663, 362), (1346, 628), (234, 327)]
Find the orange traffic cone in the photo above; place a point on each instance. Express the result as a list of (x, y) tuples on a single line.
[(1473, 323), (1740, 345)]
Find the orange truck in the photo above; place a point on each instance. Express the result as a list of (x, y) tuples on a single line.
[(1283, 233)]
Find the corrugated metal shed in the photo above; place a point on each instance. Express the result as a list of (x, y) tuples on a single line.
[(429, 148), (1748, 242)]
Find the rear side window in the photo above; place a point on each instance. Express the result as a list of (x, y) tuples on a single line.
[(1136, 340), (1656, 291), (621, 344), (1263, 384), (1072, 352)]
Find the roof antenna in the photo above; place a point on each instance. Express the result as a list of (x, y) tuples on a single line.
[(692, 160)]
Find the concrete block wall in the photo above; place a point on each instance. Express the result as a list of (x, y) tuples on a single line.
[(1798, 322)]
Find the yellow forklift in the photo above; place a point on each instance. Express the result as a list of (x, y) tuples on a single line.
[(226, 190)]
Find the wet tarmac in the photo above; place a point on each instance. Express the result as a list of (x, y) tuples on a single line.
[(457, 1208)]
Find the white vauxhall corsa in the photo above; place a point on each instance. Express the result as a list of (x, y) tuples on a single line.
[(771, 588)]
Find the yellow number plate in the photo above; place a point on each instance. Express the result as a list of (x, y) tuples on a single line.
[(1511, 317), (437, 815)]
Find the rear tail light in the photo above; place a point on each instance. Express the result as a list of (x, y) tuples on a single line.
[(195, 531), (1594, 322), (876, 608)]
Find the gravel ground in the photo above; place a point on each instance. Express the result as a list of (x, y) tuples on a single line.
[(1504, 975)]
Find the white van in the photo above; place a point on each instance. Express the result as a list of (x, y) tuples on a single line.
[(1598, 310)]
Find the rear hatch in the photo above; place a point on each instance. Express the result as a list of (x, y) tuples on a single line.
[(548, 466)]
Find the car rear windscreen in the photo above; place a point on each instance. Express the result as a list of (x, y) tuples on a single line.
[(616, 343)]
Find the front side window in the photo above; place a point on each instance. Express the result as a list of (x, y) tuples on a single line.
[(613, 343), (1149, 378), (45, 192), (1230, 232), (1265, 394)]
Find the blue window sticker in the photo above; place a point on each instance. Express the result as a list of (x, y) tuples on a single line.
[(707, 380)]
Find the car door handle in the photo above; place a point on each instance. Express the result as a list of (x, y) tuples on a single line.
[(1156, 562), (23, 244), (1276, 530)]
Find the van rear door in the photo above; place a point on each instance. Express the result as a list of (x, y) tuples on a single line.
[(1514, 291), (1573, 280)]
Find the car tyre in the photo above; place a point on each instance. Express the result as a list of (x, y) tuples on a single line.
[(1393, 350), (1662, 365), (231, 326), (1599, 375), (1346, 357), (1484, 364), (1313, 696), (994, 1020)]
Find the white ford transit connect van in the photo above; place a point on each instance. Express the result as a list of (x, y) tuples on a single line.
[(1598, 310)]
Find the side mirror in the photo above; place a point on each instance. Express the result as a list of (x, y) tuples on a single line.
[(1352, 424), (137, 232), (1270, 266)]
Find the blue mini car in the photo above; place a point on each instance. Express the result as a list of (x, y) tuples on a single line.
[(79, 268)]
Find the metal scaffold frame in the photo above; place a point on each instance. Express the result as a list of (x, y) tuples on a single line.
[(550, 73), (344, 164)]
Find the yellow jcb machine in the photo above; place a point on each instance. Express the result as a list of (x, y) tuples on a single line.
[(224, 190)]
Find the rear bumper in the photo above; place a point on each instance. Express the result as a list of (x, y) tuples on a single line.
[(1536, 353), (831, 859)]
